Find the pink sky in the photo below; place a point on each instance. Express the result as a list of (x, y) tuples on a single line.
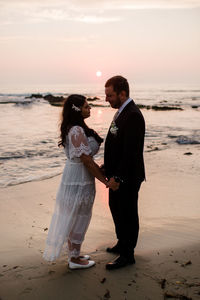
[(68, 41)]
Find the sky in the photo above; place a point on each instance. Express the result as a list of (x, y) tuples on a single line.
[(58, 42)]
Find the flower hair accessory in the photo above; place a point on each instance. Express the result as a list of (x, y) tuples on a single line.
[(113, 128), (76, 108)]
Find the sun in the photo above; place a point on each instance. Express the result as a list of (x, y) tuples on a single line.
[(98, 73)]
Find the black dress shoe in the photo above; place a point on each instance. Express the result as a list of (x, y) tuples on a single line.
[(114, 249), (120, 262)]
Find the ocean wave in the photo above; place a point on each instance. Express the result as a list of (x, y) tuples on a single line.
[(177, 99), (16, 100), (14, 95), (20, 99), (28, 154), (17, 181), (181, 91), (185, 140)]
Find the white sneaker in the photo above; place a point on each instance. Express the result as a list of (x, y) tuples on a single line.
[(87, 257), (78, 266)]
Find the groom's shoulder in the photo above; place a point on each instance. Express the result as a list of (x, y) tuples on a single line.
[(133, 109), (134, 116)]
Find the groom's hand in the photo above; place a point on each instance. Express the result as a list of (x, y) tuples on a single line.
[(113, 185)]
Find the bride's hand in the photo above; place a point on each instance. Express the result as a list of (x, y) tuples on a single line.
[(113, 185)]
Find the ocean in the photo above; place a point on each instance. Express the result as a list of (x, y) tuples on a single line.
[(29, 127)]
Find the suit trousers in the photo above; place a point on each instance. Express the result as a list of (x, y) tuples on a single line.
[(124, 209)]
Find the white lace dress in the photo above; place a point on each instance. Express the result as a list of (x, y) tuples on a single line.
[(74, 199)]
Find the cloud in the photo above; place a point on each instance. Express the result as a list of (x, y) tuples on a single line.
[(134, 4), (87, 11), (21, 12), (104, 3), (97, 20), (160, 4)]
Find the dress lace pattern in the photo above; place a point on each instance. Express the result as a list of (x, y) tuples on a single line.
[(74, 200), (78, 142)]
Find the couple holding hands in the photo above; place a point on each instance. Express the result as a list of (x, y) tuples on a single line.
[(122, 173)]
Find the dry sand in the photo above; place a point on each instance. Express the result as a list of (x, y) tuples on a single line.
[(167, 254)]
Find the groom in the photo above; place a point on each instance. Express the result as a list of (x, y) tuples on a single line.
[(124, 167)]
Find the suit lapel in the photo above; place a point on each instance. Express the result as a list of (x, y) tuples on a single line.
[(126, 108), (120, 117)]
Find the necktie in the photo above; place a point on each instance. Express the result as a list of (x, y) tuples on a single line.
[(115, 116)]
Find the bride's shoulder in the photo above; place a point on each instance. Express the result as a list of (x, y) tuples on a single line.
[(76, 129)]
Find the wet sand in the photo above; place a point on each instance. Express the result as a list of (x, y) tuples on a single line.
[(167, 254)]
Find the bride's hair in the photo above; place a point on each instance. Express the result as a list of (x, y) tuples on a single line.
[(72, 116)]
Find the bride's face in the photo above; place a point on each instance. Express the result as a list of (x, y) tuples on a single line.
[(85, 110)]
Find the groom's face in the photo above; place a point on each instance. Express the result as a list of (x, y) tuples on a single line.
[(112, 97)]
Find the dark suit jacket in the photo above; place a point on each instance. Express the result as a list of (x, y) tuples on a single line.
[(123, 155)]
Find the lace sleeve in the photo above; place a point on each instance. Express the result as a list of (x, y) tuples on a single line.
[(78, 142)]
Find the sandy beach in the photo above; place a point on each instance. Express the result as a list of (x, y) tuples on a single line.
[(52, 49), (167, 254)]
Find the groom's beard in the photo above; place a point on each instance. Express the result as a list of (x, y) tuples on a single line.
[(117, 103)]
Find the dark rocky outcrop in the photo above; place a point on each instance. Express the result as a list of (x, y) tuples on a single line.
[(159, 107), (93, 99), (54, 100), (156, 107), (38, 96), (144, 106)]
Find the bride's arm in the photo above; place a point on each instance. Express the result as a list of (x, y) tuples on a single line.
[(93, 168)]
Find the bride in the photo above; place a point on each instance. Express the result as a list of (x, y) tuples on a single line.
[(75, 196)]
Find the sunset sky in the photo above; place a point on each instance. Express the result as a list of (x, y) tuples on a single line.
[(59, 41)]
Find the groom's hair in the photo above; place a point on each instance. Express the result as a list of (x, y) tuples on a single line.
[(119, 84)]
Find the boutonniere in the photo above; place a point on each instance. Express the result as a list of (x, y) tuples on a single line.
[(113, 128)]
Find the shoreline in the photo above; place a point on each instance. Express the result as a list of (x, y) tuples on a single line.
[(35, 154), (167, 254)]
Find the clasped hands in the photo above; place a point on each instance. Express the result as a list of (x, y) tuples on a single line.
[(112, 184)]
